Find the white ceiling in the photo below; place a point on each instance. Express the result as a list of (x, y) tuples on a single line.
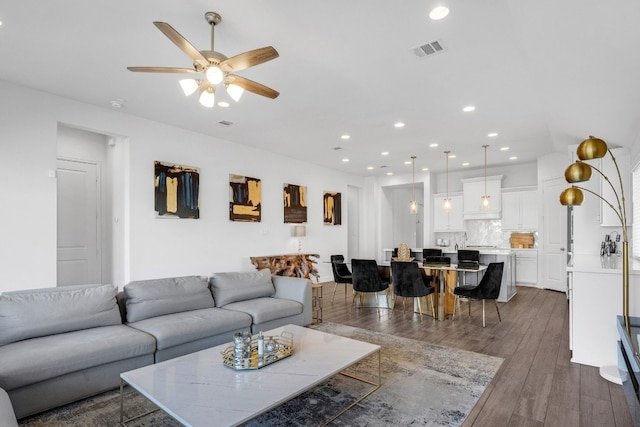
[(543, 74)]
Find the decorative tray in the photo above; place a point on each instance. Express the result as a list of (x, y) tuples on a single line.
[(275, 348)]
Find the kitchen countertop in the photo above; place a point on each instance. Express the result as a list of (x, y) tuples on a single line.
[(483, 251), (605, 264)]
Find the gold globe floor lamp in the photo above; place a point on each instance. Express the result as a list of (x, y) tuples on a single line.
[(580, 171)]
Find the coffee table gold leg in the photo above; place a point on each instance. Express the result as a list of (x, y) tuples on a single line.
[(376, 386)]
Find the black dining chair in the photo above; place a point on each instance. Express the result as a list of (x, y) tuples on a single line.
[(341, 274), (487, 289), (408, 282), (367, 278)]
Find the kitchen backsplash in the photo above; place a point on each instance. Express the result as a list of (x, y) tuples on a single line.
[(480, 232)]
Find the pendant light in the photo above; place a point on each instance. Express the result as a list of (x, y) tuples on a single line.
[(413, 206), (446, 203), (485, 199)]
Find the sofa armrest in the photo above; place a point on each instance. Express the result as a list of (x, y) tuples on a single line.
[(7, 416), (296, 289)]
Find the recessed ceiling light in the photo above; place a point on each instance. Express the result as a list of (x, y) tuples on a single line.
[(399, 125), (439, 12), (434, 145), (492, 134), (452, 156), (223, 104), (408, 162), (345, 160), (425, 169), (513, 158), (345, 136), (504, 148), (465, 164), (468, 108), (389, 173), (370, 168), (384, 153)]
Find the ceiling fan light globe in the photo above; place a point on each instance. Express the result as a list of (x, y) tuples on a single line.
[(235, 92), (214, 75), (189, 86), (207, 98)]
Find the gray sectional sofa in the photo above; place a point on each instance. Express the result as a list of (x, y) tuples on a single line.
[(58, 345)]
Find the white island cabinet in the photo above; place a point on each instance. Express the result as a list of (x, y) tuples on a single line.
[(595, 296)]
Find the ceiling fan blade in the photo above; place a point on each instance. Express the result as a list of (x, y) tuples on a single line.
[(252, 86), (181, 42), (249, 59), (161, 70)]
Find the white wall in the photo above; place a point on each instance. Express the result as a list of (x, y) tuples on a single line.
[(144, 246)]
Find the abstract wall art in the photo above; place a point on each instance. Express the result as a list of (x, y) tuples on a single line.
[(332, 208), (177, 189), (245, 198), (295, 204)]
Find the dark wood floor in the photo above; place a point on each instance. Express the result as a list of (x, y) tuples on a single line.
[(537, 384)]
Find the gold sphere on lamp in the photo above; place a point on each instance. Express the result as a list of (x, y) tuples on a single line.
[(592, 148), (571, 197), (577, 172)]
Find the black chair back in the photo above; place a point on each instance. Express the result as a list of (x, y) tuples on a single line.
[(489, 286), (408, 281), (431, 252), (341, 273), (366, 276), (468, 255)]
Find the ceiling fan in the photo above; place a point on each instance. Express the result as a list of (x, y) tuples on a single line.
[(215, 66)]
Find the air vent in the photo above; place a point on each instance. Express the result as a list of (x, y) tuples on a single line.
[(225, 123), (428, 49)]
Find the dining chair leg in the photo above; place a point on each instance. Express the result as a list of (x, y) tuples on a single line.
[(419, 307), (469, 304), (403, 305), (433, 307), (483, 323), (453, 316), (334, 292), (498, 310)]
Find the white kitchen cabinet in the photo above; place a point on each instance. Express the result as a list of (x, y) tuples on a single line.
[(520, 210), (473, 189), (608, 217), (448, 221), (526, 266)]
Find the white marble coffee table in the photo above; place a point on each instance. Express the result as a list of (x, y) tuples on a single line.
[(197, 389)]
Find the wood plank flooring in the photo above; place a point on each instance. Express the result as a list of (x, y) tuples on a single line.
[(537, 384)]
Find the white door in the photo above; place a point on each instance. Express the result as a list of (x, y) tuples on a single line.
[(554, 236), (78, 223)]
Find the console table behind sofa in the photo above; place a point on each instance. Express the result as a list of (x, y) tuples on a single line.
[(293, 265)]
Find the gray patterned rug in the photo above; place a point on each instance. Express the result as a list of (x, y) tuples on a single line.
[(422, 384)]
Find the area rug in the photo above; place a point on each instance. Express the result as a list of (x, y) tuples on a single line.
[(422, 384)]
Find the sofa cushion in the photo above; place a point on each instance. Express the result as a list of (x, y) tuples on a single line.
[(179, 328), (266, 309), (41, 312), (241, 286), (38, 359), (157, 297)]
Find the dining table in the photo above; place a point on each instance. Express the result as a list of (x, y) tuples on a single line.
[(447, 279)]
